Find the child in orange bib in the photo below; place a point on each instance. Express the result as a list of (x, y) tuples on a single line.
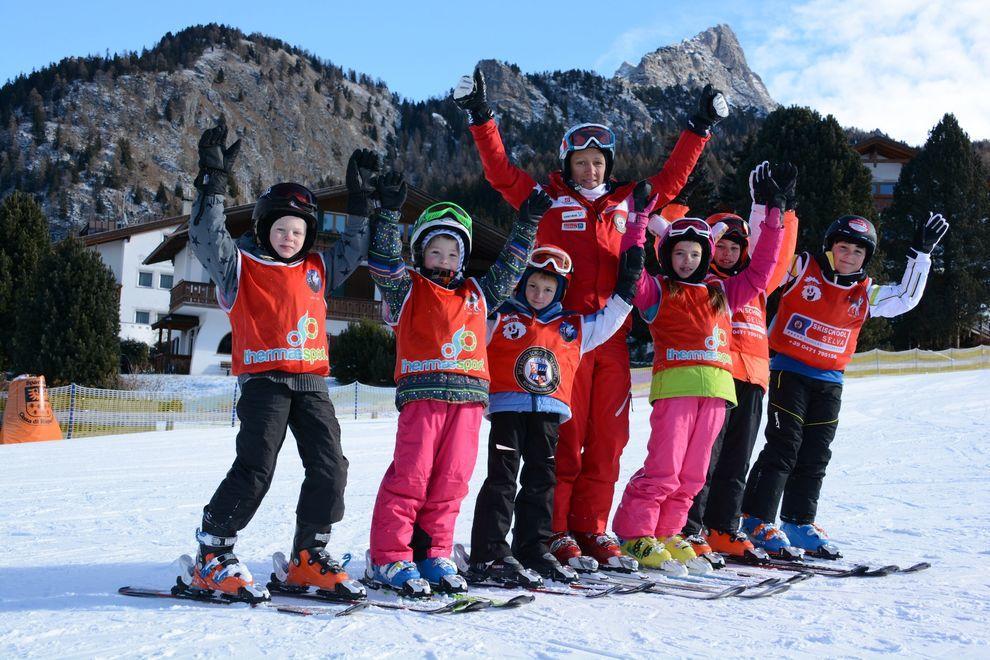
[(442, 373)]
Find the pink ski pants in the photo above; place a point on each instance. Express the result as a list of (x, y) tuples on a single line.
[(436, 447), (657, 498)]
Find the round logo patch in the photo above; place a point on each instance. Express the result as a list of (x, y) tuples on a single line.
[(313, 279), (568, 331), (513, 330), (811, 293), (537, 371)]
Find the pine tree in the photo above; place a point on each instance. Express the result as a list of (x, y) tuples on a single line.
[(364, 352), (24, 239), (946, 177), (70, 331)]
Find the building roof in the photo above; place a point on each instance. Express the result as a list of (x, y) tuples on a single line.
[(90, 240), (487, 239), (885, 147)]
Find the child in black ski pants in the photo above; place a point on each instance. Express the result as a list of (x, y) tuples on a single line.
[(534, 347)]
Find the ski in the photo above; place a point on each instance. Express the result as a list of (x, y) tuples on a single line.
[(860, 570), (890, 569), (212, 598), (643, 584)]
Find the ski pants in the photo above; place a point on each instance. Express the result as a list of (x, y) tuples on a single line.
[(532, 438), (658, 496), (802, 417), (266, 409), (717, 505), (592, 441), (436, 446)]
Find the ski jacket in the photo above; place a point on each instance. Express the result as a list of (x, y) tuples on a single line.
[(818, 322), (395, 281), (534, 356), (221, 256), (278, 320), (589, 231), (701, 378)]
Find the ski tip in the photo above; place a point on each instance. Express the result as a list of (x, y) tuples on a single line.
[(920, 566)]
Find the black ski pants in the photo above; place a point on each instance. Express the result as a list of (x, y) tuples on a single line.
[(266, 409), (802, 417), (717, 505), (532, 438)]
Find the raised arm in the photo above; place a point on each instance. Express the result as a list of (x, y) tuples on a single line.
[(385, 264), (346, 254), (513, 183), (894, 299), (208, 236), (501, 279)]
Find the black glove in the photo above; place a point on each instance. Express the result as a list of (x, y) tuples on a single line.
[(390, 188), (470, 94), (630, 268), (785, 176), (215, 162), (764, 189), (928, 234), (361, 169), (641, 195), (696, 177), (712, 108), (534, 207)]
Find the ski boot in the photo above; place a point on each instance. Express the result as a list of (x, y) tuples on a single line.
[(549, 568), (812, 539), (218, 569), (651, 553), (682, 551), (768, 536), (401, 577), (606, 551), (566, 550), (315, 570), (506, 571), (703, 550), (734, 544), (442, 575)]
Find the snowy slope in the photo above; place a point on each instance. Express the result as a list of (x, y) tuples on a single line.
[(910, 480)]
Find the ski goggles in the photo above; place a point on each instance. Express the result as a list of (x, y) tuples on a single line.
[(295, 195), (690, 226), (550, 256), (736, 227), (445, 210), (587, 135)]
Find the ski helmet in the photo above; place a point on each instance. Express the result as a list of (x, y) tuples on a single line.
[(549, 260), (442, 217), (737, 231), (582, 136), (280, 200), (687, 229), (853, 229)]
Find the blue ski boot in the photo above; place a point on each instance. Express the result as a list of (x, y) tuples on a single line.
[(812, 539), (768, 536), (401, 577), (442, 575)]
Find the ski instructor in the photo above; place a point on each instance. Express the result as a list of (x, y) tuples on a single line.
[(587, 220)]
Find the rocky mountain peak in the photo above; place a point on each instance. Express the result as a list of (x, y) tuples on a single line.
[(711, 56)]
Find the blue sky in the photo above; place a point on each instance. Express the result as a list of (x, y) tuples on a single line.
[(894, 64)]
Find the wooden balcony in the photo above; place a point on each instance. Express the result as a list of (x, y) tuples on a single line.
[(199, 294)]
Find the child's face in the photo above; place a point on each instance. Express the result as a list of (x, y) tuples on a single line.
[(847, 257), (441, 253), (685, 258), (588, 167), (540, 290), (727, 253), (287, 235)]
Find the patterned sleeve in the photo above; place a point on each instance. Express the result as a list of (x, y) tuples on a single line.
[(385, 262), (211, 243)]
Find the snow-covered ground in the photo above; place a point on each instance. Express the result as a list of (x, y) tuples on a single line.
[(909, 481)]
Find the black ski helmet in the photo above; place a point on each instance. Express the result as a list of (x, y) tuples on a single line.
[(853, 229), (285, 199)]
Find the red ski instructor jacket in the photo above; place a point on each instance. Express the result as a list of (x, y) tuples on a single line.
[(590, 231)]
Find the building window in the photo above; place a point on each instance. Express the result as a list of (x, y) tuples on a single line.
[(225, 345), (165, 281), (333, 222), (142, 317), (145, 279)]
